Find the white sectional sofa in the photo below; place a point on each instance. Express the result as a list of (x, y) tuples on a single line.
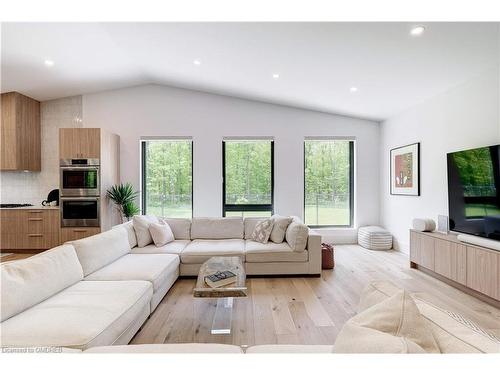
[(199, 239), (98, 291)]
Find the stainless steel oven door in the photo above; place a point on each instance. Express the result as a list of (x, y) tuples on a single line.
[(79, 181), (80, 211)]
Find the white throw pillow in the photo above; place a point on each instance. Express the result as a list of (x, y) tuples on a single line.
[(280, 226), (263, 230), (161, 233), (141, 226), (296, 236)]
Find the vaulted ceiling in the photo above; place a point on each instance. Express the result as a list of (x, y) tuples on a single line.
[(369, 70)]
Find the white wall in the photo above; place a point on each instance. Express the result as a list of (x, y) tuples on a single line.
[(464, 117), (33, 187), (154, 110)]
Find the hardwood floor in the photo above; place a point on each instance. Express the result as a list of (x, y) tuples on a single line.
[(14, 256), (303, 310)]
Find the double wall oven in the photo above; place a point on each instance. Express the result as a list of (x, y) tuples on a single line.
[(80, 190)]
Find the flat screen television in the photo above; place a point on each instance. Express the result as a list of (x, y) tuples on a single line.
[(474, 191)]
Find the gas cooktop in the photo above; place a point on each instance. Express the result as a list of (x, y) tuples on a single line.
[(15, 205)]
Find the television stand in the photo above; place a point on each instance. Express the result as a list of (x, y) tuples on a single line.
[(473, 269)]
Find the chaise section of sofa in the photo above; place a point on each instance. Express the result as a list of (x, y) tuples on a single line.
[(45, 302)]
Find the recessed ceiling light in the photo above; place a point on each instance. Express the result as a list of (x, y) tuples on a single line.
[(196, 62), (49, 63), (276, 75), (353, 89), (417, 30)]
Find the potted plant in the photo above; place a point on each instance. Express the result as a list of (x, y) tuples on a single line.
[(124, 195)]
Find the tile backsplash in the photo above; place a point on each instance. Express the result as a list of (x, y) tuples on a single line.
[(33, 187)]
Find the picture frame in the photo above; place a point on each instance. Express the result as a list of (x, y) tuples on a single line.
[(405, 170)]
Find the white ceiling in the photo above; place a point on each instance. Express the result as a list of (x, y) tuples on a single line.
[(317, 62)]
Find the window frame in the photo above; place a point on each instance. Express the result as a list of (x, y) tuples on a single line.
[(143, 168), (246, 207), (351, 181)]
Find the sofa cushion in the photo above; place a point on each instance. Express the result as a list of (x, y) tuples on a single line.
[(161, 233), (88, 313), (174, 247), (289, 349), (199, 251), (29, 281), (181, 228), (155, 268), (256, 252), (168, 348), (97, 251), (262, 230), (391, 326), (249, 224), (129, 227), (141, 226), (280, 226), (216, 228), (296, 236)]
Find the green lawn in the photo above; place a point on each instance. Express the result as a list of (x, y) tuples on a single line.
[(178, 211), (474, 210), (321, 215)]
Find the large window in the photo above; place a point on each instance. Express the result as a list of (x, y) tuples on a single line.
[(167, 177), (328, 182), (248, 177)]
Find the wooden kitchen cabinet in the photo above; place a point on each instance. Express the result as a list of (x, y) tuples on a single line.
[(79, 143), (20, 134), (76, 233), (29, 229)]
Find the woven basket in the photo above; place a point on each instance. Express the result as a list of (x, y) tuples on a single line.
[(327, 258)]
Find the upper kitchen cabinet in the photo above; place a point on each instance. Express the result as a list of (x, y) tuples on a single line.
[(79, 143), (20, 133)]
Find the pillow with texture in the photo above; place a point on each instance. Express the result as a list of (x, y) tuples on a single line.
[(394, 325), (263, 230), (296, 236), (161, 233), (280, 226), (141, 226)]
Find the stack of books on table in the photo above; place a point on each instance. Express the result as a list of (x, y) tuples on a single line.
[(220, 278)]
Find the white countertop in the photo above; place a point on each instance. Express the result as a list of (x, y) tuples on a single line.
[(36, 207)]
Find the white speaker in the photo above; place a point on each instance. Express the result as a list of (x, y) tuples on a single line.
[(443, 224), (424, 225)]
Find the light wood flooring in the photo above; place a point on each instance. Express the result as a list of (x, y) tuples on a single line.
[(297, 310)]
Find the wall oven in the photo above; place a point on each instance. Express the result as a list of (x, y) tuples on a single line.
[(80, 211), (79, 177)]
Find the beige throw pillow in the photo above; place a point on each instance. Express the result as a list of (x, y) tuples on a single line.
[(161, 233), (296, 236), (141, 226), (280, 226), (263, 230), (394, 325)]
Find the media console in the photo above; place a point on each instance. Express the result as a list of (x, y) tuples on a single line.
[(471, 268)]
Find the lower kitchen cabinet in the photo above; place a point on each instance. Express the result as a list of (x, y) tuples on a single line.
[(76, 233), (29, 229)]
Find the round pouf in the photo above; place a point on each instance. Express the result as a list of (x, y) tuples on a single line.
[(375, 238)]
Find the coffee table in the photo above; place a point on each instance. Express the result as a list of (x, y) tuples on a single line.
[(221, 324)]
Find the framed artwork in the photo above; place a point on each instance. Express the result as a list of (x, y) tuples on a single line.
[(405, 170)]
